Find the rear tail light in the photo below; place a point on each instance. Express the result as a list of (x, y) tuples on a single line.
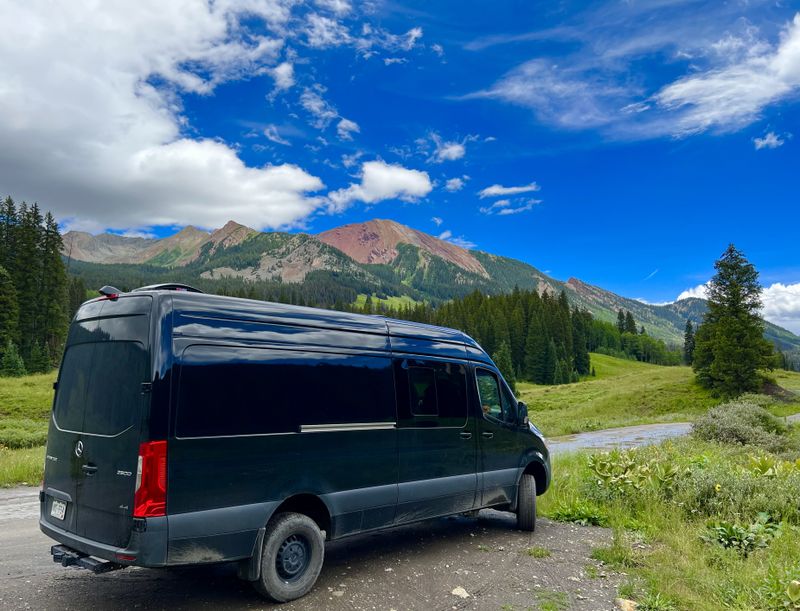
[(150, 500)]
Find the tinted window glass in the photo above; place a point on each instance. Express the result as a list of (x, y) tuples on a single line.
[(422, 389), (451, 389), (489, 392), (509, 405), (497, 402), (248, 391), (436, 395), (99, 390)]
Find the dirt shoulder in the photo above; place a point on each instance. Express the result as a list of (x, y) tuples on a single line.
[(412, 567)]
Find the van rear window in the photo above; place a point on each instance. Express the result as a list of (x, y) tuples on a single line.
[(249, 391), (99, 389)]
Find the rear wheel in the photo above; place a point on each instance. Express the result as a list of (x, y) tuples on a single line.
[(526, 503), (292, 556)]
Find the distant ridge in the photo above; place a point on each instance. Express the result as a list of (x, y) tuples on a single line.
[(380, 257)]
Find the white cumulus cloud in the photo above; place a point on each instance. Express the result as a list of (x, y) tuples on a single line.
[(381, 181), (781, 303), (456, 184), (91, 123), (771, 140), (498, 190), (283, 74), (346, 128), (700, 292), (322, 32), (340, 7)]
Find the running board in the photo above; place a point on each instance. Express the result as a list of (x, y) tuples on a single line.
[(66, 556)]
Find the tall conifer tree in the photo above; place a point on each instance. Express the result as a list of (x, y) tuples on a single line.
[(730, 347)]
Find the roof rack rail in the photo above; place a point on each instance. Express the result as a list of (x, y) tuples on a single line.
[(168, 286)]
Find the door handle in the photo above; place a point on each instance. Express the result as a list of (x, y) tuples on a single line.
[(487, 435), (465, 435), (89, 469)]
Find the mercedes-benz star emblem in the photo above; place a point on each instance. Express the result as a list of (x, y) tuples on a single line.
[(79, 449)]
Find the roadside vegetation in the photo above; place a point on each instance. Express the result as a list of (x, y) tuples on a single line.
[(705, 522)]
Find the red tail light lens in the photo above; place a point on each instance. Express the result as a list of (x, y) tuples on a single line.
[(150, 500)]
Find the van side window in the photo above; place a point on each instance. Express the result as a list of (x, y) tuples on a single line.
[(431, 393), (451, 390), (495, 403), (226, 390), (422, 390)]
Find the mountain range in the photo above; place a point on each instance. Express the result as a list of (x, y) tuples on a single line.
[(379, 257)]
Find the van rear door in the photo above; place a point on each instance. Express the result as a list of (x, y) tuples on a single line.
[(95, 429)]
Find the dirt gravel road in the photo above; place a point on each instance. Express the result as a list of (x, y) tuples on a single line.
[(412, 567)]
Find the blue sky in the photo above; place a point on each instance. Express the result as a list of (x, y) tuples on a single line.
[(624, 143)]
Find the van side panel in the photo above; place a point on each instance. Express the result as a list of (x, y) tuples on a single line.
[(436, 434), (265, 411)]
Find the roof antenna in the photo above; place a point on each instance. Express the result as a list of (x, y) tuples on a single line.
[(109, 292)]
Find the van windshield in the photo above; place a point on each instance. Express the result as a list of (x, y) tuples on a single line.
[(106, 361)]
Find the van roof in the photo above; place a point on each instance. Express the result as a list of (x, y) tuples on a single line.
[(223, 306)]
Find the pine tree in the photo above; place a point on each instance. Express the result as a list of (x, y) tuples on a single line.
[(9, 309), (688, 343), (367, 309), (8, 226), (502, 358), (535, 349), (38, 362), (53, 291), (516, 334), (730, 348), (548, 368), (77, 295), (621, 321), (580, 350), (28, 276), (11, 365), (630, 323)]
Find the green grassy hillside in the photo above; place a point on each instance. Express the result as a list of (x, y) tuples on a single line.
[(623, 393), (626, 393)]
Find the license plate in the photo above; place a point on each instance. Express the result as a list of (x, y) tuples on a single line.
[(58, 509)]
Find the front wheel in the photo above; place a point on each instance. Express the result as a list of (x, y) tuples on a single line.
[(292, 557), (526, 503)]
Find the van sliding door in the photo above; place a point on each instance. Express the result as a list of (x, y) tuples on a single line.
[(436, 439)]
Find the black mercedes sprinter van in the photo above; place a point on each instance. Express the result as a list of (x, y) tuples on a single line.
[(189, 428)]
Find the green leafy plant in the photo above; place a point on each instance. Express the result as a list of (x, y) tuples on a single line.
[(625, 471), (579, 511), (743, 539), (770, 466), (655, 602)]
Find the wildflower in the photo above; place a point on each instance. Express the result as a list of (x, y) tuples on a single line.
[(717, 487)]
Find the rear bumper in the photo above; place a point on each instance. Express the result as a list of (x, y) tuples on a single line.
[(147, 548)]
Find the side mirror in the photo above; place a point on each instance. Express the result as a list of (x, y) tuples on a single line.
[(522, 410)]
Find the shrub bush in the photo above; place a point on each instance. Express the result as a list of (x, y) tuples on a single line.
[(745, 423), (727, 484)]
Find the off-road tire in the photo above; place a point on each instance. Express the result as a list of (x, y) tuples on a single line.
[(299, 542), (526, 503)]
